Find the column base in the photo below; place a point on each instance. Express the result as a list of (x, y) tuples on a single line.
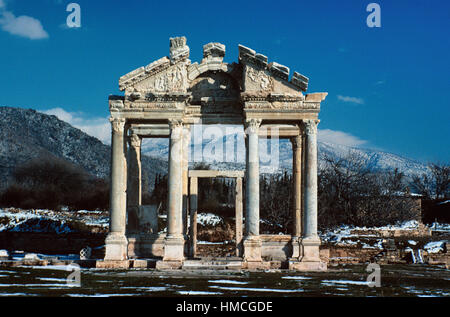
[(309, 259), (252, 249), (296, 248), (310, 249), (174, 248), (116, 247)]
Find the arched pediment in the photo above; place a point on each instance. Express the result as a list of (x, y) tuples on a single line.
[(215, 92), (214, 85)]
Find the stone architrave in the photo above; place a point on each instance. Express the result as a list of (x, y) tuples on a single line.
[(116, 241)]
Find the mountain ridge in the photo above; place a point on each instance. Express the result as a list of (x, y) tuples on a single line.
[(26, 134)]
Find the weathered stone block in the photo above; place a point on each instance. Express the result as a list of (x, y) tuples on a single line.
[(255, 266), (252, 249), (169, 265), (112, 264), (307, 266), (116, 247), (173, 249)]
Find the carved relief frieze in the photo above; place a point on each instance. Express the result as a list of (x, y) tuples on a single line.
[(173, 79), (257, 79)]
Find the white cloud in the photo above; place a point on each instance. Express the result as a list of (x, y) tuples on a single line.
[(355, 100), (23, 25), (98, 127), (339, 137)]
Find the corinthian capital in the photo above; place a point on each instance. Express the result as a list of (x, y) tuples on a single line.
[(296, 142), (135, 140), (252, 125), (176, 128), (175, 123), (117, 124), (310, 126)]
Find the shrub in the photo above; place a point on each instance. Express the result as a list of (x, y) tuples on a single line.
[(52, 183)]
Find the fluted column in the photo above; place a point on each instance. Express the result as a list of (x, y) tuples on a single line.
[(310, 241), (193, 203), (238, 218), (297, 185), (252, 242), (185, 169), (174, 242), (311, 179), (116, 242), (134, 190)]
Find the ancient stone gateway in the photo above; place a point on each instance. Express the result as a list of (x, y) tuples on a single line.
[(167, 97)]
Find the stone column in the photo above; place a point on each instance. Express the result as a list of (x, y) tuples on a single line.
[(134, 190), (310, 239), (239, 209), (174, 242), (252, 241), (193, 203), (297, 184), (116, 241), (185, 169)]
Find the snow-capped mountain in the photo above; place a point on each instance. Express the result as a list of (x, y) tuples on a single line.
[(26, 134), (227, 151)]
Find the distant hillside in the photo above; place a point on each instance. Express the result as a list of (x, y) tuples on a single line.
[(26, 134)]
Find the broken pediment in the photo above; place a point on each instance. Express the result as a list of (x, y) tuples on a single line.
[(262, 78), (215, 87)]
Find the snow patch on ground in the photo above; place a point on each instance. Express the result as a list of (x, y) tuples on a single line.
[(208, 219), (227, 282), (194, 293), (350, 236), (333, 282), (434, 246), (43, 220), (271, 290)]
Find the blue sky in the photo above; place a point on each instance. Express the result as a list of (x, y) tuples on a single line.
[(388, 87)]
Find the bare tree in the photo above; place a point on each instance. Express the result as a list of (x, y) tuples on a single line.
[(436, 184), (351, 193)]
